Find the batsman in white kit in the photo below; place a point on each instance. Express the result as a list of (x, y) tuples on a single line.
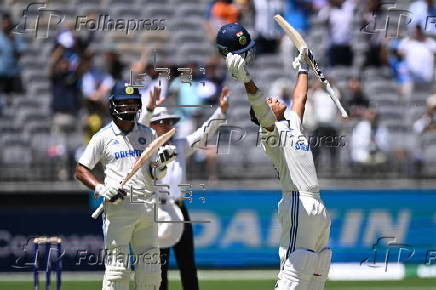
[(127, 221), (305, 224)]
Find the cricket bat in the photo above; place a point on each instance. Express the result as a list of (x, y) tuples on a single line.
[(151, 149), (300, 44)]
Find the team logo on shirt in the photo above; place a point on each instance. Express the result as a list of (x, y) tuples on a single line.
[(142, 141)]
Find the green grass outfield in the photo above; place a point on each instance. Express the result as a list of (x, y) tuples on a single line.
[(407, 284)]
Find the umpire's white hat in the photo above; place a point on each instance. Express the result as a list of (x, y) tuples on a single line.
[(162, 113), (171, 231)]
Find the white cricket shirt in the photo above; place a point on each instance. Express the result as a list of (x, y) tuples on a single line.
[(291, 155), (117, 152)]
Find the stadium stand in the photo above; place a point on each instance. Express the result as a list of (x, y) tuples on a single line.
[(184, 41)]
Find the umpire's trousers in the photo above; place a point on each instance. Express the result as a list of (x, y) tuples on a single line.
[(184, 251)]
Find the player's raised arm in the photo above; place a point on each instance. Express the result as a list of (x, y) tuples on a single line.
[(199, 138), (264, 114), (155, 100), (299, 97)]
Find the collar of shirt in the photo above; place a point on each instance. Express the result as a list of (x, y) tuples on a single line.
[(118, 131)]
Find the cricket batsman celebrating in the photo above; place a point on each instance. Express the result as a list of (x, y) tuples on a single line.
[(126, 221), (305, 223)]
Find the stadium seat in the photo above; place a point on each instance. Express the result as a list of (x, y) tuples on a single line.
[(122, 2), (159, 2), (184, 24), (188, 37), (125, 12), (191, 10), (159, 11)]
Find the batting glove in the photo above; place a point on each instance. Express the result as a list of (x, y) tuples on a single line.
[(236, 67), (300, 62), (166, 154), (110, 193)]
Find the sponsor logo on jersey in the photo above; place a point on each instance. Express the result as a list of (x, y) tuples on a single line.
[(127, 153), (142, 141), (115, 142), (302, 147)]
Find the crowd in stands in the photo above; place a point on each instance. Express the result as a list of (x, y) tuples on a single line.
[(353, 41)]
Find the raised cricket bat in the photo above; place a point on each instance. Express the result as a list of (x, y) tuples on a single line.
[(300, 44), (151, 149)]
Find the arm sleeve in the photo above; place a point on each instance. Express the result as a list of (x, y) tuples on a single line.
[(263, 112), (93, 152), (209, 128), (294, 121)]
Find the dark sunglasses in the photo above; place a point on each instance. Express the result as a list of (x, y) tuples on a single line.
[(170, 122)]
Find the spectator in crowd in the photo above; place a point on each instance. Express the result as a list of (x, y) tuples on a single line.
[(66, 101), (246, 12), (96, 85), (325, 135), (418, 52), (11, 47), (66, 68), (427, 122), (420, 11), (210, 85), (268, 33), (338, 15), (399, 66), (297, 12), (375, 15), (319, 4), (114, 65), (219, 13), (369, 142), (358, 103)]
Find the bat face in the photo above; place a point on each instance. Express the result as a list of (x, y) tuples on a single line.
[(293, 34)]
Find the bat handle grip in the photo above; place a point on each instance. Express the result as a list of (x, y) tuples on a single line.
[(98, 211)]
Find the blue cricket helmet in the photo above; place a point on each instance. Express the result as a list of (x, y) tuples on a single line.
[(233, 38), (124, 91), (119, 108)]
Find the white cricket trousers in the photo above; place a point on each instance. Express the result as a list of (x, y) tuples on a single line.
[(305, 231), (131, 237)]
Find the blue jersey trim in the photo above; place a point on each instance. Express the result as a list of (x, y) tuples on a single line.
[(109, 125)]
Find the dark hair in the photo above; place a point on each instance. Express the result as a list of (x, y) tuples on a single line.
[(253, 117)]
